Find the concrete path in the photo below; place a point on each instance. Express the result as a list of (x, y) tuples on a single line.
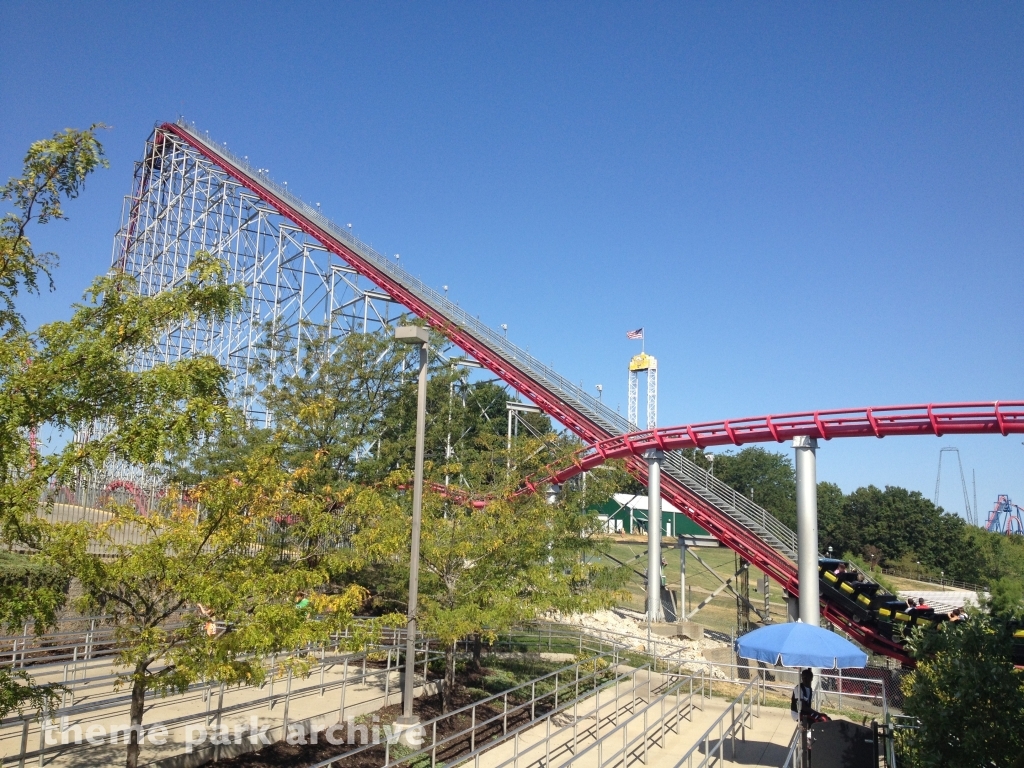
[(766, 743)]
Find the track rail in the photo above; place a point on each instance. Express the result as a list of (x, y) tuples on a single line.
[(734, 520), (938, 419)]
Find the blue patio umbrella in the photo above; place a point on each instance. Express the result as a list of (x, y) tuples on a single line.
[(800, 645)]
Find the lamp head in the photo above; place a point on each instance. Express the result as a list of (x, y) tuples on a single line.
[(411, 334)]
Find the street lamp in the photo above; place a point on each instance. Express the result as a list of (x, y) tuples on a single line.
[(412, 334), (600, 390)]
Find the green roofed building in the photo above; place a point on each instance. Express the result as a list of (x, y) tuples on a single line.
[(627, 513)]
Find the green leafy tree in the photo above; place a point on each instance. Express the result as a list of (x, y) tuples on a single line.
[(77, 372), (464, 421), (494, 558), (334, 407), (834, 527), (210, 550), (55, 169), (966, 695)]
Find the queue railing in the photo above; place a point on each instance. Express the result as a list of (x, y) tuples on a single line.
[(738, 715)]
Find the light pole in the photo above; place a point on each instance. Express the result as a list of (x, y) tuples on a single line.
[(412, 334)]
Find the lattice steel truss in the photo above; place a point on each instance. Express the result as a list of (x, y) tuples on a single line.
[(295, 289), (643, 362)]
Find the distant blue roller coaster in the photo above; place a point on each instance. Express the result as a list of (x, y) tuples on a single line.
[(1005, 517)]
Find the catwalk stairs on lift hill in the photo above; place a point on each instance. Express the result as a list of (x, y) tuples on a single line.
[(733, 519)]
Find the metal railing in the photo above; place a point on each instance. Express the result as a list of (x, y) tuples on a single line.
[(733, 504), (681, 683), (739, 713), (17, 733), (915, 576), (872, 689), (793, 757), (552, 694), (653, 721)]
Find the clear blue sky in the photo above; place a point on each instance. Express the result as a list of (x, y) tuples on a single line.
[(806, 206)]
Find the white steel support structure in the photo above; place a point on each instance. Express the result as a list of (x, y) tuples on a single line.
[(296, 291), (807, 528), (643, 362), (655, 611)]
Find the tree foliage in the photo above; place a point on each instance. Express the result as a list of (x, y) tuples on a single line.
[(493, 558), (55, 169), (966, 695), (78, 372), (896, 526), (214, 548)]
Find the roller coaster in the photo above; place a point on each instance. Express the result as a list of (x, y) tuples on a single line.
[(191, 193)]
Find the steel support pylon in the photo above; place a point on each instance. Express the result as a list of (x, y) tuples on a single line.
[(655, 610), (807, 528)]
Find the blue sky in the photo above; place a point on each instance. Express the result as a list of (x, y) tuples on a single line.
[(806, 206)]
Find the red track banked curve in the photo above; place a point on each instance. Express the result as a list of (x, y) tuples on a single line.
[(938, 419)]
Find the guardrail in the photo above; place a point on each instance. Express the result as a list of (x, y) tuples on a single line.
[(872, 688), (740, 710), (795, 754), (569, 687), (653, 721), (17, 733), (906, 574), (728, 500), (658, 655)]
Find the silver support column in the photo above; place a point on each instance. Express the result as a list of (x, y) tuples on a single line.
[(681, 608), (807, 528), (655, 612)]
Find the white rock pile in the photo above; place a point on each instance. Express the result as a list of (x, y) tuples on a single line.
[(610, 625)]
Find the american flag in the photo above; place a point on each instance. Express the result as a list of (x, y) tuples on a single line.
[(637, 334)]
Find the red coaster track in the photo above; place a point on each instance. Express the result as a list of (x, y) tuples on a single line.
[(732, 519), (938, 419)]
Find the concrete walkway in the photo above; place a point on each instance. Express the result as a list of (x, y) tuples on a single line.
[(766, 743)]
